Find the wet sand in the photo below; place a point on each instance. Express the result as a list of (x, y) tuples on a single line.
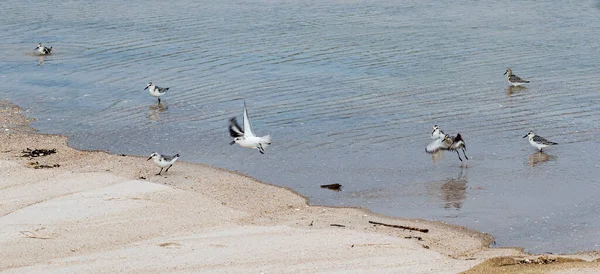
[(94, 212)]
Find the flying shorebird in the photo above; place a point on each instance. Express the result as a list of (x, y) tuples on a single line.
[(40, 49), (448, 143), (538, 141), (156, 91), (513, 79), (163, 161), (245, 137)]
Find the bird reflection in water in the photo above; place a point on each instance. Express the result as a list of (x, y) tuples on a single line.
[(511, 89), (437, 156), (41, 60), (155, 111), (452, 191), (539, 157)]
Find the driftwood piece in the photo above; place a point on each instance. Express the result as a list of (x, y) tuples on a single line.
[(337, 225), (424, 230)]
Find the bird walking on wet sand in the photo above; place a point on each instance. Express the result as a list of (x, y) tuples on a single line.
[(448, 143), (538, 141), (163, 161), (513, 79), (156, 91), (244, 137), (41, 50)]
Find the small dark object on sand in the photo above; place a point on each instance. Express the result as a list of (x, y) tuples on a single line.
[(37, 152), (37, 165), (336, 187)]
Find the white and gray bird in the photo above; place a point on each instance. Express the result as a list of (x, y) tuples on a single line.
[(437, 133), (41, 50), (513, 79), (448, 143), (538, 141), (244, 137), (156, 91), (163, 161)]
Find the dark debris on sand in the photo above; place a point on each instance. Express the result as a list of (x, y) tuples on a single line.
[(37, 165), (37, 152)]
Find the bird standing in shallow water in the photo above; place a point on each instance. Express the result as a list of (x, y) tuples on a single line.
[(163, 161), (538, 141), (513, 79), (155, 90), (40, 49)]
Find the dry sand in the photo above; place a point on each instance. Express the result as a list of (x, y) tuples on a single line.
[(97, 212)]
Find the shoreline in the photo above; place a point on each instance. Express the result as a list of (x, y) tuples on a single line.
[(198, 211)]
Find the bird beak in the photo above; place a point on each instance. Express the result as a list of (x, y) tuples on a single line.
[(146, 88), (525, 135), (505, 72), (232, 142), (149, 158)]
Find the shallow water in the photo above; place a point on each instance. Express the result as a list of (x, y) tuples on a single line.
[(348, 90)]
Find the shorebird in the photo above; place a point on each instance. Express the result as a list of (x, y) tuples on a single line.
[(437, 133), (513, 79), (448, 143), (155, 90), (458, 142), (538, 141), (40, 49), (163, 161), (244, 137)]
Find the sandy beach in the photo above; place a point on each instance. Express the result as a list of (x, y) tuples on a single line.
[(89, 211)]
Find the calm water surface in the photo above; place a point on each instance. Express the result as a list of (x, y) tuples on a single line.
[(349, 90)]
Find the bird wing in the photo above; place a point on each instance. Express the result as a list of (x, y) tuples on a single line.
[(234, 128), (170, 158), (247, 126), (542, 140), (458, 142), (436, 145), (161, 90), (517, 79)]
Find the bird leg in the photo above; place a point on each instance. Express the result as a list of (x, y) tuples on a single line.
[(457, 153), (159, 171), (465, 153), (261, 149), (168, 168)]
